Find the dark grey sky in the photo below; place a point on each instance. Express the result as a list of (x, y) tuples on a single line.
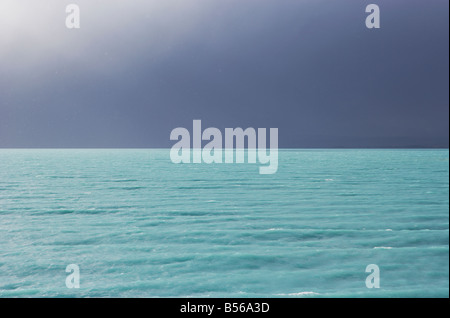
[(137, 69)]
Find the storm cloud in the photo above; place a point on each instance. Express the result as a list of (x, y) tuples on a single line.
[(137, 69)]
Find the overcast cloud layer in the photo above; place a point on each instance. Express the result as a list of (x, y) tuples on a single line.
[(137, 69)]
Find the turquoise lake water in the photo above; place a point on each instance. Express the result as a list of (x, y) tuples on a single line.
[(139, 225)]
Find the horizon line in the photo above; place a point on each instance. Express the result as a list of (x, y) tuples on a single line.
[(168, 148)]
